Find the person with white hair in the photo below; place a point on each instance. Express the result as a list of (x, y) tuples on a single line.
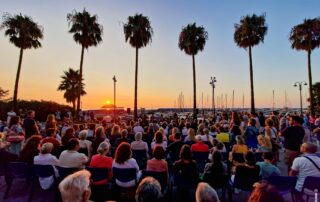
[(76, 187), (205, 193), (149, 190), (85, 145), (139, 144), (199, 146)]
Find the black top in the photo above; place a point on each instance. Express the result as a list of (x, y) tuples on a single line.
[(186, 173), (246, 176), (29, 126), (174, 149), (293, 137)]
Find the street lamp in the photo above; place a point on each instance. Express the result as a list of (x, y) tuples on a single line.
[(213, 80), (114, 98), (300, 89)]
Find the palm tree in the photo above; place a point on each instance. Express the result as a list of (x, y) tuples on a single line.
[(70, 84), (24, 33), (248, 33), (306, 37), (87, 32), (192, 39), (138, 32)]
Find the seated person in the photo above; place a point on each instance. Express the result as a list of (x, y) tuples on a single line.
[(174, 148), (30, 149), (139, 144), (149, 189), (239, 147), (205, 193), (85, 145), (265, 192), (51, 137), (223, 135), (159, 140), (264, 144), (267, 169), (101, 160), (76, 187), (157, 163), (71, 158), (199, 146)]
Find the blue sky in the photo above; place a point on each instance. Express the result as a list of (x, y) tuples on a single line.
[(164, 70)]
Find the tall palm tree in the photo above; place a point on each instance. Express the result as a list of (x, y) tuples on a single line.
[(70, 84), (138, 32), (248, 33), (87, 32), (306, 37), (192, 39), (24, 33)]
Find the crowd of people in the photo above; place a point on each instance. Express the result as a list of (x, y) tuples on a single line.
[(201, 157)]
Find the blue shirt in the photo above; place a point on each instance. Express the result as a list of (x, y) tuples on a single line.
[(268, 169)]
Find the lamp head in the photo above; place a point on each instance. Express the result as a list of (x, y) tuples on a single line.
[(295, 85)]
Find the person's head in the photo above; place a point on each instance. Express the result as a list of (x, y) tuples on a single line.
[(191, 134), (268, 156), (308, 147), (100, 132), (123, 153), (220, 146), (51, 132), (185, 153), (198, 138), (240, 140), (236, 130), (216, 157), (158, 137), (158, 152), (295, 120), (174, 130), (252, 122), (124, 133), (265, 192), (213, 129), (83, 134), (205, 193), (264, 141), (32, 142), (177, 136), (46, 148), (76, 187), (70, 131), (103, 148), (269, 122), (138, 136), (249, 158), (149, 190), (14, 120), (51, 118), (73, 144), (31, 113)]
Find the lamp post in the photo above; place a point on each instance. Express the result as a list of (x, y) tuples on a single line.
[(114, 98), (213, 80), (300, 89)]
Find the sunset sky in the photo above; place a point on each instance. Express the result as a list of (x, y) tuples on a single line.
[(164, 70)]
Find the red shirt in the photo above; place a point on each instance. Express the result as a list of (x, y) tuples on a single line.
[(200, 147), (99, 161)]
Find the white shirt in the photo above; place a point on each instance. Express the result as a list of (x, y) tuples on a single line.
[(46, 159), (163, 144), (139, 145), (138, 129), (305, 168), (185, 132), (130, 163), (72, 159)]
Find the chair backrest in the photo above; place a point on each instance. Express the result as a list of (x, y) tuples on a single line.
[(43, 170), (311, 183), (200, 157), (239, 157), (64, 172), (258, 156), (18, 169), (139, 154), (83, 151), (162, 177), (124, 174), (283, 183), (98, 174), (225, 156)]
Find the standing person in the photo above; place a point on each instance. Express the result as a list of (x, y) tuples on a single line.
[(10, 114), (51, 122), (293, 137), (251, 134), (308, 164), (262, 120), (15, 135), (29, 124)]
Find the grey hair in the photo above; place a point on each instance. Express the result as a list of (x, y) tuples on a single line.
[(149, 189), (73, 186), (205, 193), (104, 146), (83, 134), (138, 136)]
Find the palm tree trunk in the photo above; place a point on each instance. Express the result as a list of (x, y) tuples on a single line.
[(15, 94), (194, 88), (135, 115), (74, 107), (251, 82), (310, 84), (79, 90)]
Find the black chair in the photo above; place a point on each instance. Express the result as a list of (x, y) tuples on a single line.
[(238, 157), (125, 175), (100, 192), (182, 188), (162, 177), (83, 151), (285, 184), (225, 156), (258, 156), (201, 158), (311, 184), (64, 172), (17, 170), (141, 157), (42, 171), (208, 143)]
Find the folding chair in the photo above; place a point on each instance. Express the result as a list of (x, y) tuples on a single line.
[(238, 157), (285, 184), (162, 177), (98, 191), (64, 172), (311, 184), (201, 158), (125, 175), (141, 157)]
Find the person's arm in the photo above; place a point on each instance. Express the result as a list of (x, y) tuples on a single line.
[(295, 167), (293, 172)]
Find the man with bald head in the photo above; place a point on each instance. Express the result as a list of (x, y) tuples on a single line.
[(307, 164)]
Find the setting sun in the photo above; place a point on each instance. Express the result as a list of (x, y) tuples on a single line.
[(108, 102)]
